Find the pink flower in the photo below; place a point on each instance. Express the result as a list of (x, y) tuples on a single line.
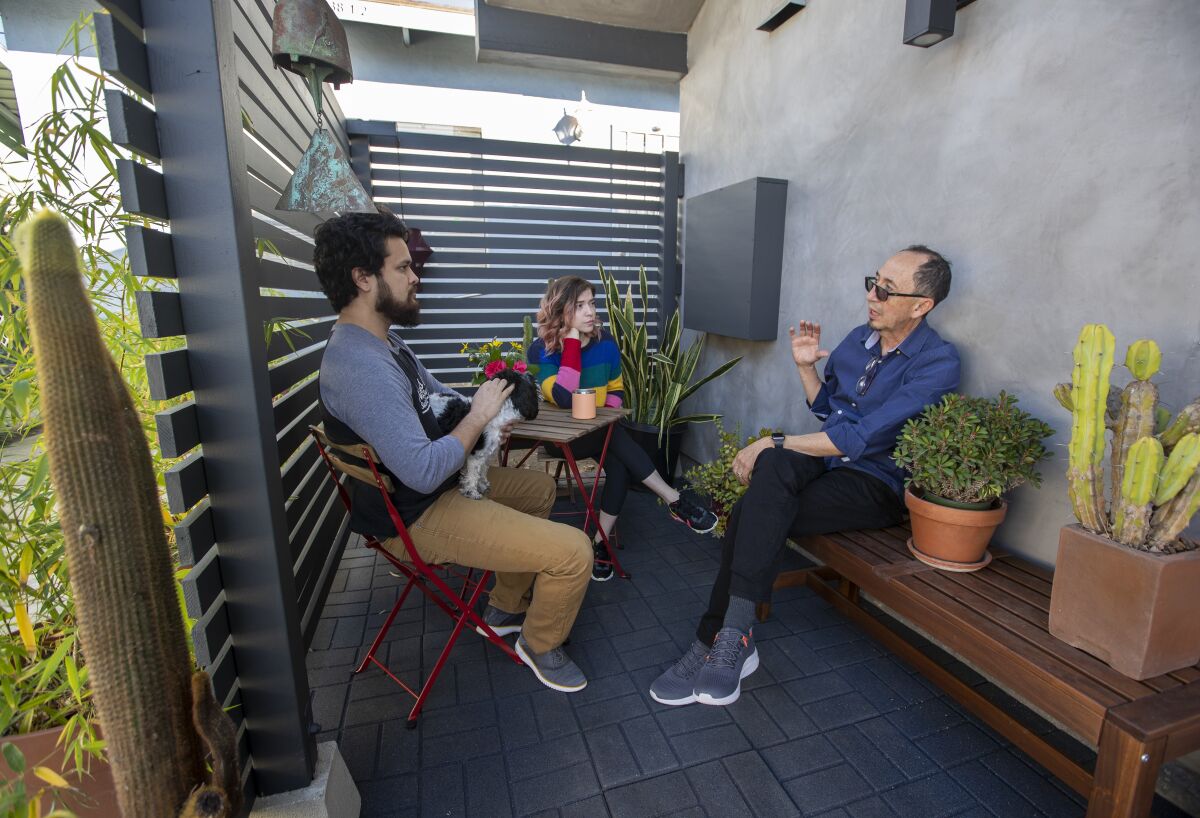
[(520, 366), (491, 369)]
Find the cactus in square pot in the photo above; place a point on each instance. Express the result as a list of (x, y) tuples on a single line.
[(1125, 581), (962, 455)]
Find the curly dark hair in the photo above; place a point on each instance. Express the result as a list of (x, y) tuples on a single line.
[(348, 241)]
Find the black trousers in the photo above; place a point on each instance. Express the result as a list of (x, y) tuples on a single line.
[(625, 463), (790, 495)]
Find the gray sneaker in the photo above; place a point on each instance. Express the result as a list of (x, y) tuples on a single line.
[(502, 623), (553, 668), (677, 683), (732, 658)]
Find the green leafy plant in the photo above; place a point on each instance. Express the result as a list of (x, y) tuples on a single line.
[(972, 450), (1154, 458), (715, 479), (656, 382)]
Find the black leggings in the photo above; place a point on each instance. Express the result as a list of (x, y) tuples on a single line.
[(625, 463)]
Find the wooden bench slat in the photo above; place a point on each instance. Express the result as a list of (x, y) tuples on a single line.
[(880, 547), (1029, 624), (1012, 567), (1043, 681), (836, 549)]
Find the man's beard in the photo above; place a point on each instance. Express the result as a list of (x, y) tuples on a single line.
[(396, 312)]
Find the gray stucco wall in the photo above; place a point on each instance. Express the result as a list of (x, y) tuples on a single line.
[(1050, 150)]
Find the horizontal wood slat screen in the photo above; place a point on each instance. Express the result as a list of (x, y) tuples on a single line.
[(505, 217)]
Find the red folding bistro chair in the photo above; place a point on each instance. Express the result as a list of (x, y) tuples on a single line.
[(458, 606)]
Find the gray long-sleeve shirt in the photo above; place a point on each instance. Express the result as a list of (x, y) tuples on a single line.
[(364, 387)]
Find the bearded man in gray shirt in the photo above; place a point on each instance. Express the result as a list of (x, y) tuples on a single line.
[(373, 389)]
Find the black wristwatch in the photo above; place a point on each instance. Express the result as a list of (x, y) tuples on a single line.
[(777, 438)]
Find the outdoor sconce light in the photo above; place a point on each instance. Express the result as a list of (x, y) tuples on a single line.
[(928, 22), (568, 129), (309, 40), (782, 14)]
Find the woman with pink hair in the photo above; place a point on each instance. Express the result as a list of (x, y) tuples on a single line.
[(574, 352)]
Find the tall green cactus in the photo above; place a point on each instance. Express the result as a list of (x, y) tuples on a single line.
[(1155, 459), (1132, 502), (120, 569), (1136, 419), (1089, 397)]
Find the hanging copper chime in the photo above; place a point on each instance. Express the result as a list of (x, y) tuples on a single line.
[(308, 39)]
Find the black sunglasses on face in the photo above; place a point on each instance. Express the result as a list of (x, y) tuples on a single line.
[(884, 294)]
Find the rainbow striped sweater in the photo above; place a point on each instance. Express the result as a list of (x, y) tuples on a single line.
[(595, 366)]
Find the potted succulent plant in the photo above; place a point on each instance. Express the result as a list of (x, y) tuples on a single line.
[(1125, 582), (657, 382), (962, 455)]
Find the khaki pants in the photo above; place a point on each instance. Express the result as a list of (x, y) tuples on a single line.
[(542, 568)]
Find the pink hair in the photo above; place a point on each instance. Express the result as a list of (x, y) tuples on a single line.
[(557, 310)]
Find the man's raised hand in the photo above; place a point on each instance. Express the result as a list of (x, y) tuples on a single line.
[(806, 344), (489, 398)]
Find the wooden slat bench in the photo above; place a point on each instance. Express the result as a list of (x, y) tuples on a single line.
[(996, 621)]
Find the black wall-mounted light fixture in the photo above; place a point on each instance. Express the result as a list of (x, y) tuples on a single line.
[(928, 22), (782, 14)]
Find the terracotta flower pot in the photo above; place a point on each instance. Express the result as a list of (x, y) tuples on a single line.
[(952, 538), (97, 794), (1135, 611)]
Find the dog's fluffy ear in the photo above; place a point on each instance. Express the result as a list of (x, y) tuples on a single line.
[(525, 398)]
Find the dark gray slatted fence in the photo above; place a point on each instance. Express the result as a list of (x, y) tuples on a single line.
[(503, 217), (262, 530)]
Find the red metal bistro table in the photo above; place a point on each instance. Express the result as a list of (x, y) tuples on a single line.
[(556, 427)]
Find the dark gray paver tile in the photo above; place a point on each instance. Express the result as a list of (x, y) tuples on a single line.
[(931, 797), (716, 791), (959, 743), (801, 756), (828, 788), (661, 795), (707, 744), (649, 746), (612, 756), (865, 757), (758, 785)]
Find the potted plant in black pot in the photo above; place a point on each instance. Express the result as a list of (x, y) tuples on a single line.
[(1125, 583), (656, 382), (962, 455)]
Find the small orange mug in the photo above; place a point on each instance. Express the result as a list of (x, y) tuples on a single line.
[(583, 404)]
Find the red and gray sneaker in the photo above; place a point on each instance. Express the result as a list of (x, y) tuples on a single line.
[(732, 658), (695, 517)]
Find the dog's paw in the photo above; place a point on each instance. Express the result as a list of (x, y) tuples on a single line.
[(484, 487), (471, 493)]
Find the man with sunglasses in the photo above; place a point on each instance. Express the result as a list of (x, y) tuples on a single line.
[(842, 477)]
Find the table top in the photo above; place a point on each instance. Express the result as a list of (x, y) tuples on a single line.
[(555, 425)]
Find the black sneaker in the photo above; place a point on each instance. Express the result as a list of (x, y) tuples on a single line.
[(602, 571), (698, 519)]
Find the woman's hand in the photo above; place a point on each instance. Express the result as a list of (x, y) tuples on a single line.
[(572, 333), (743, 461)]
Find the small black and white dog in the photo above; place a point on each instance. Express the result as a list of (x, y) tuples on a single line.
[(522, 404)]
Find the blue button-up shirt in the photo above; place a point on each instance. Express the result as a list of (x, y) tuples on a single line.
[(865, 427)]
